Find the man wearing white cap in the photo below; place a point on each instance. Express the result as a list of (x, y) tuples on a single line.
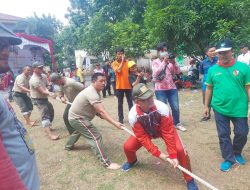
[(228, 85)]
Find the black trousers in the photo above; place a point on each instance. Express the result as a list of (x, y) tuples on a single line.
[(120, 94), (107, 88)]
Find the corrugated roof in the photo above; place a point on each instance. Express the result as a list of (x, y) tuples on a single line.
[(6, 17), (6, 33)]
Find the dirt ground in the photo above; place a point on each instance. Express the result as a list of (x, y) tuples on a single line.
[(79, 170)]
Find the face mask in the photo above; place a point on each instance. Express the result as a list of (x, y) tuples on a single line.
[(163, 54), (4, 69)]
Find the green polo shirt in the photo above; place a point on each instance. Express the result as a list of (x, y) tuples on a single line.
[(229, 93)]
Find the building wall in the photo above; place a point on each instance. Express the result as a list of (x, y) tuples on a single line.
[(22, 57)]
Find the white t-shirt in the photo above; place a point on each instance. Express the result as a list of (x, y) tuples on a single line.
[(244, 58)]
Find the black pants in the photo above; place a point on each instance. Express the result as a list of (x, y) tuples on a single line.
[(107, 88), (120, 94), (114, 87)]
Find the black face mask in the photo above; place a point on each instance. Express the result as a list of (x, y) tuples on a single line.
[(4, 69)]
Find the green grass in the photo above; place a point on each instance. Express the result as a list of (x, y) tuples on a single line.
[(80, 170)]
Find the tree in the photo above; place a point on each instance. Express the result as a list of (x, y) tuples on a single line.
[(45, 26), (97, 23), (96, 36), (65, 44), (130, 36), (192, 25)]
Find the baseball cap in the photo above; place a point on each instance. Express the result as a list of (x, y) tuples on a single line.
[(224, 45), (131, 64), (54, 77), (37, 64), (141, 91)]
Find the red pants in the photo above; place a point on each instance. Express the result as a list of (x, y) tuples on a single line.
[(132, 145)]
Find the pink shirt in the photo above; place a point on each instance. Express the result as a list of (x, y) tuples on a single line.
[(167, 83)]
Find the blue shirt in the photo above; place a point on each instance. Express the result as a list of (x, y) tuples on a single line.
[(204, 66), (18, 146)]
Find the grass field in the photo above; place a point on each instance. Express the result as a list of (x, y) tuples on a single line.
[(79, 169)]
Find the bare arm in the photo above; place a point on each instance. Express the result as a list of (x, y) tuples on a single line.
[(137, 81), (105, 115), (248, 92), (119, 68), (24, 89), (208, 95), (45, 91)]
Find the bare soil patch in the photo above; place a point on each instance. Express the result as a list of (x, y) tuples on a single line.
[(79, 170)]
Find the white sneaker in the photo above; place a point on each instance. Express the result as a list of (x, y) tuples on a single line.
[(180, 127)]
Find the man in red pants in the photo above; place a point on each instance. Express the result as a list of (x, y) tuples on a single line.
[(151, 119)]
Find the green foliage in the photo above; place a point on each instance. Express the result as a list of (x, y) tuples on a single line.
[(65, 45), (130, 36), (108, 24), (194, 24), (139, 25), (45, 26), (95, 37)]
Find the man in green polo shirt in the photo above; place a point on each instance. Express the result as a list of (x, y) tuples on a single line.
[(228, 84)]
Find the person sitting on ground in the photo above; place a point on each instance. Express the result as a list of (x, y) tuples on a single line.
[(151, 119), (84, 108), (21, 90)]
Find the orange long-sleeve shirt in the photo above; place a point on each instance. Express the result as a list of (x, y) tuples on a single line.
[(122, 81)]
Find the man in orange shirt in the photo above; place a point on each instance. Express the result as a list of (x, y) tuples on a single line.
[(120, 67)]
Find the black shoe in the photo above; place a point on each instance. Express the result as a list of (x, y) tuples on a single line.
[(121, 121), (68, 148), (205, 119)]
